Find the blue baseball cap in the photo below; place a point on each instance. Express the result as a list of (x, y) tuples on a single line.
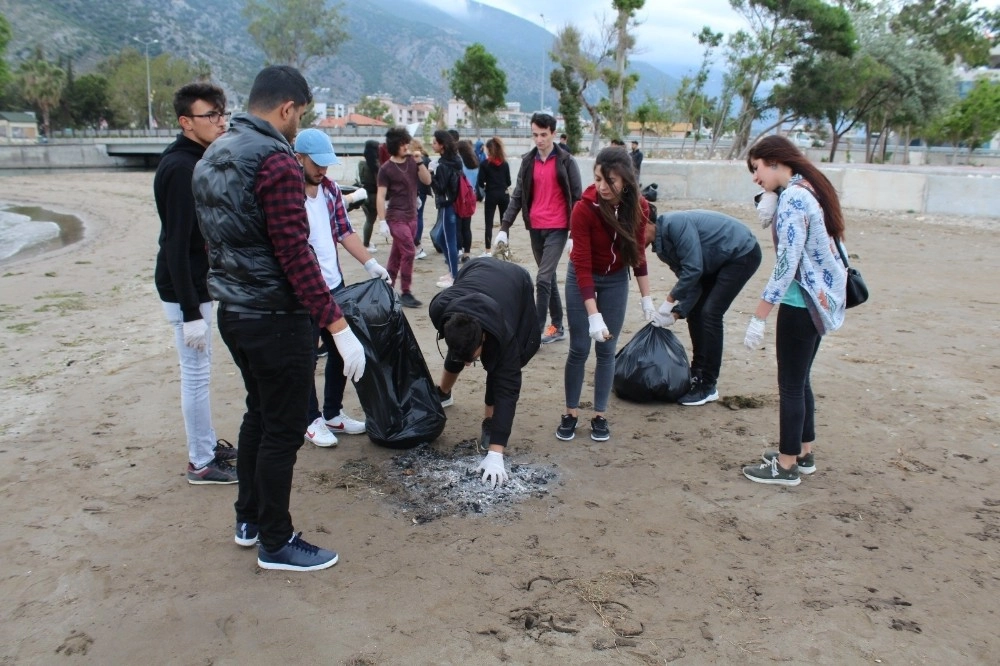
[(317, 146)]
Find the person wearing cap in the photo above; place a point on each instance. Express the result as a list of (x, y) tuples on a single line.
[(329, 227), (250, 198), (396, 203)]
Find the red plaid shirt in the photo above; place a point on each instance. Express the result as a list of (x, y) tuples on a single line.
[(281, 193)]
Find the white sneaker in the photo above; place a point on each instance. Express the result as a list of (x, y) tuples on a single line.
[(485, 253), (372, 249), (445, 282), (344, 424), (319, 434), (420, 253)]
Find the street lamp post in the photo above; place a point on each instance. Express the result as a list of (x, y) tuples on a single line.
[(149, 91), (541, 94)]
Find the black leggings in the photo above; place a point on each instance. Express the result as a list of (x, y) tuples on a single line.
[(797, 342), (494, 202), (465, 233)]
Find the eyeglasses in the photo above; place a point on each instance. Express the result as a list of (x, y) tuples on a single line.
[(214, 117)]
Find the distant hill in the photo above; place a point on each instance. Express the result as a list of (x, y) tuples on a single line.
[(399, 47)]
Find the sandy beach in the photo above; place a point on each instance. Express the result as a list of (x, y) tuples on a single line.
[(646, 549)]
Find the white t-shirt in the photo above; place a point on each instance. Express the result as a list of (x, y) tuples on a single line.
[(321, 239)]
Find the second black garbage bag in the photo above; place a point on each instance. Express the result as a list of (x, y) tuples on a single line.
[(653, 366)]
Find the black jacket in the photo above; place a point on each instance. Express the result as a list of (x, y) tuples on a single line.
[(445, 180), (508, 319), (567, 173), (243, 268), (181, 263), (493, 178)]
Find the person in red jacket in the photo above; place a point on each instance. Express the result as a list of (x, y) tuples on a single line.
[(608, 227)]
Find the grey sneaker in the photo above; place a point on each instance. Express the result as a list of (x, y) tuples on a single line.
[(246, 534), (408, 300), (773, 473), (296, 555), (484, 434), (552, 334), (446, 399), (599, 430), (567, 428), (806, 463), (216, 472)]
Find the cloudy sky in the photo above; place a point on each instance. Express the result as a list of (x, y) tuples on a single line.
[(666, 35)]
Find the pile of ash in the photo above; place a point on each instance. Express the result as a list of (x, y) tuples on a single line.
[(430, 484)]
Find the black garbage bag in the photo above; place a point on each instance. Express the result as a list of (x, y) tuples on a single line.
[(652, 366), (397, 393), (651, 192)]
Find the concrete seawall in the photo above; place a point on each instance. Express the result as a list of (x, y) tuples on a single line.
[(966, 191)]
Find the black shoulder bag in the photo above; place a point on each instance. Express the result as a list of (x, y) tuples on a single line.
[(857, 290)]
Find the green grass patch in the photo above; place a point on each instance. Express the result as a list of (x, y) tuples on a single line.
[(23, 327), (62, 302)]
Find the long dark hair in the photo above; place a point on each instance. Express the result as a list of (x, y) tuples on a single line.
[(628, 216), (371, 156), (447, 142), (468, 154), (774, 149)]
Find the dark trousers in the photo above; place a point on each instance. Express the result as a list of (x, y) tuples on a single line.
[(275, 356), (334, 381), (718, 291), (494, 202), (547, 246), (797, 342), (465, 234)]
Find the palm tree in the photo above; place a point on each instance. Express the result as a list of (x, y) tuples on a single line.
[(42, 85)]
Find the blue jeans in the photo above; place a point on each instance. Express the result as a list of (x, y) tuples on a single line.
[(718, 291), (449, 238), (796, 342), (196, 370), (547, 245), (274, 353), (612, 299), (334, 381)]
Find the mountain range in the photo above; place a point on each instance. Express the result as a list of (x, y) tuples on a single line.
[(400, 47)]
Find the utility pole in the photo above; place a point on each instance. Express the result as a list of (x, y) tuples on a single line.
[(149, 91), (541, 92)]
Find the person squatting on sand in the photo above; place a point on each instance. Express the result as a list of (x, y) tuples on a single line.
[(498, 328), (181, 273), (329, 228), (809, 286), (609, 242), (250, 198)]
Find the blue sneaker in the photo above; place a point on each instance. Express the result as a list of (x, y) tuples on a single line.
[(296, 555), (246, 534)]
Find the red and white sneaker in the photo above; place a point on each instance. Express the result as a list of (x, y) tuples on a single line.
[(342, 424), (319, 434)]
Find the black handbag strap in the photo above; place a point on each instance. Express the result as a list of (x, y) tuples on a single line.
[(843, 257)]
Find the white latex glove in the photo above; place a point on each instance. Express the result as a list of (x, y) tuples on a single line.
[(376, 270), (501, 237), (648, 312), (493, 470), (766, 207), (357, 195), (755, 333), (351, 351), (598, 329), (195, 334), (383, 228), (433, 165), (569, 246), (664, 317)]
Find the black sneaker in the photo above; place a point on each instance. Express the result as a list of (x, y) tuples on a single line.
[(806, 463), (773, 473), (296, 555), (699, 393), (408, 300), (322, 351), (484, 434), (567, 428), (224, 451), (446, 399), (599, 430), (217, 472), (246, 534)]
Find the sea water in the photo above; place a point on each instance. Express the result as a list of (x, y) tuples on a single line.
[(28, 230)]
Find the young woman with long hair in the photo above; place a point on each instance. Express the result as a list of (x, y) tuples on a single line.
[(494, 179), (608, 228), (470, 167), (808, 285), (445, 185), (419, 154)]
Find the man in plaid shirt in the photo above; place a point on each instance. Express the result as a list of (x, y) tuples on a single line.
[(250, 199)]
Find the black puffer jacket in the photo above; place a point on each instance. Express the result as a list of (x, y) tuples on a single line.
[(243, 268), (501, 296)]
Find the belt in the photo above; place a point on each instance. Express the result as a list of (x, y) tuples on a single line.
[(242, 309)]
